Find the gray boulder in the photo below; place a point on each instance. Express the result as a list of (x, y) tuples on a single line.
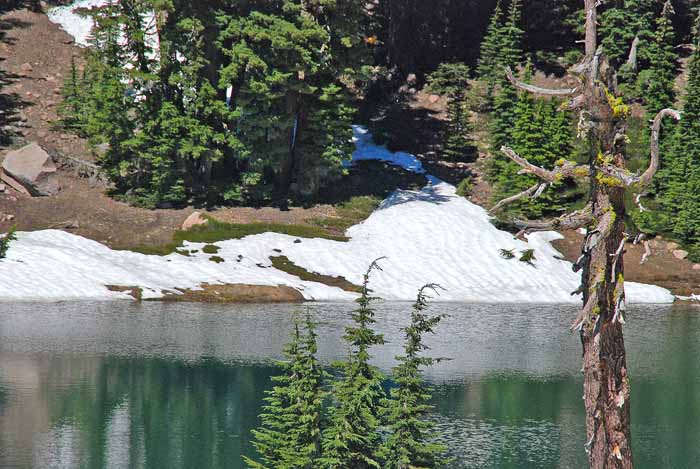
[(34, 169)]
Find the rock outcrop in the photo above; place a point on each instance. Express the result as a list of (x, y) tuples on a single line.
[(196, 219), (34, 169)]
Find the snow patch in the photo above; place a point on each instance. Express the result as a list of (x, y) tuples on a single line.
[(427, 236), (78, 26)]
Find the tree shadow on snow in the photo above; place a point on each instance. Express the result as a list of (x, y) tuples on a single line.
[(428, 194)]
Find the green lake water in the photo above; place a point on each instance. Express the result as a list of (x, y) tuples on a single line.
[(124, 385)]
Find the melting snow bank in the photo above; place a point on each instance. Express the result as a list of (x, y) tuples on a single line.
[(431, 235), (80, 26), (71, 22)]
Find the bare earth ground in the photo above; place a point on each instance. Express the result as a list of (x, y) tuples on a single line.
[(83, 209)]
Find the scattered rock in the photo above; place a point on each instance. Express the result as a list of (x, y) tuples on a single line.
[(433, 98), (680, 254), (2, 187), (26, 67), (42, 134), (21, 116), (411, 79), (297, 241), (34, 169), (196, 219), (101, 149), (696, 266), (13, 184), (671, 246)]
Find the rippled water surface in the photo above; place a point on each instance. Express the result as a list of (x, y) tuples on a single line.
[(121, 385)]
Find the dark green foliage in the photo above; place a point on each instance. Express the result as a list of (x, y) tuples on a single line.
[(452, 81), (678, 181), (5, 241), (506, 254), (465, 187), (71, 108), (352, 439), (488, 67), (174, 136), (620, 23), (411, 440), (290, 434), (528, 256), (543, 134), (510, 55), (656, 85)]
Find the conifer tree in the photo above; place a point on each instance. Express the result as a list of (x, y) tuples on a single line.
[(544, 133), (281, 70), (679, 184), (452, 81), (657, 83), (290, 435), (411, 440), (71, 108), (620, 24), (352, 439), (489, 55), (511, 55)]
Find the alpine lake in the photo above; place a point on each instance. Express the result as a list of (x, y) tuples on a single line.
[(157, 385)]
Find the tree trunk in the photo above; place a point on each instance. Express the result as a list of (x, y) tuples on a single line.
[(606, 382), (603, 116)]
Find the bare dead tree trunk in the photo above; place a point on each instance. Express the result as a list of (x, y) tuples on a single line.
[(602, 120)]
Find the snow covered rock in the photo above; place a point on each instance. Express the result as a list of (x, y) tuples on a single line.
[(33, 168)]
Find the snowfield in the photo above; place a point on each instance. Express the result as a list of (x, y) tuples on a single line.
[(427, 236)]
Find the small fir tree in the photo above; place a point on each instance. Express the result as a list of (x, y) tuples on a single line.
[(411, 441), (511, 55), (5, 241), (352, 439), (544, 133), (290, 435), (452, 81), (487, 69)]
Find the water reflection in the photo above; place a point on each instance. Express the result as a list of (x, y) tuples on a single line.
[(179, 386)]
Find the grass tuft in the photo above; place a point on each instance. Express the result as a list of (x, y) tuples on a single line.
[(285, 265)]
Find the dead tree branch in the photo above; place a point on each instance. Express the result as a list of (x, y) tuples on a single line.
[(531, 192), (648, 175), (536, 89), (570, 221), (567, 169)]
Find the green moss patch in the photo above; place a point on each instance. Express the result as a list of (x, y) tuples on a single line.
[(216, 231), (285, 265), (349, 213), (211, 249)]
